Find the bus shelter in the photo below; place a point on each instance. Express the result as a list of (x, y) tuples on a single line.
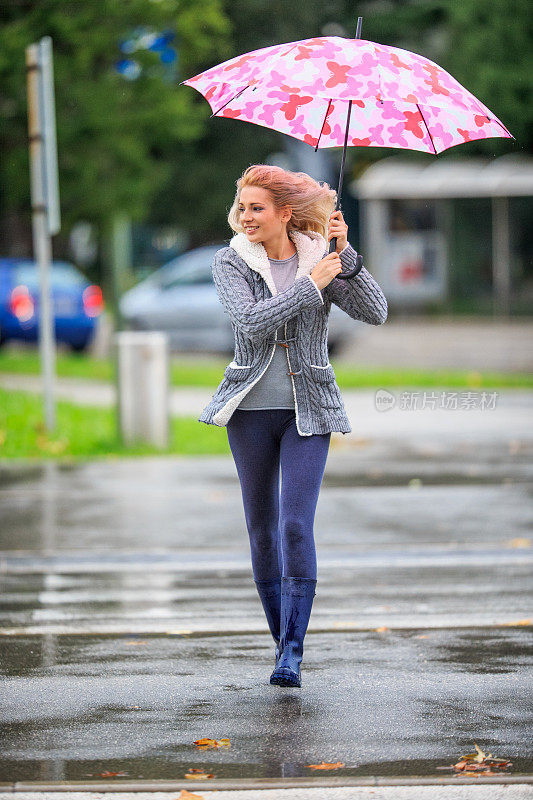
[(453, 234)]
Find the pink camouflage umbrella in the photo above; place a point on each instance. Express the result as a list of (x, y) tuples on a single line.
[(308, 89)]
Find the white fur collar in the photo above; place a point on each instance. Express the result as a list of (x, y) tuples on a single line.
[(310, 246)]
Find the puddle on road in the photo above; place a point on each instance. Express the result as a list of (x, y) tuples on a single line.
[(171, 765), (483, 653)]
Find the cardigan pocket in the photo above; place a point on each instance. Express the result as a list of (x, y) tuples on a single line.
[(236, 372), (322, 374)]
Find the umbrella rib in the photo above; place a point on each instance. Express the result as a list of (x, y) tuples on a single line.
[(483, 113), (295, 44), (322, 128), (229, 101), (429, 133), (497, 121)]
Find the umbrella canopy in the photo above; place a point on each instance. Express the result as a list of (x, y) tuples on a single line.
[(304, 88)]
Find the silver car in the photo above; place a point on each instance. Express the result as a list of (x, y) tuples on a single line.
[(180, 299)]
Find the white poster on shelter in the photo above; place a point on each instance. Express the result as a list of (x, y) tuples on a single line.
[(415, 265)]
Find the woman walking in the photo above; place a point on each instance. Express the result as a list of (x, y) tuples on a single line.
[(279, 399)]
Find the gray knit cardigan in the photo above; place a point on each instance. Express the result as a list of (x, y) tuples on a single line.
[(246, 289)]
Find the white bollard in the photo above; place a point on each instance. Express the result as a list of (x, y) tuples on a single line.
[(143, 386)]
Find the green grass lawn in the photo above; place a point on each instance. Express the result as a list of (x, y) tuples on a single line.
[(85, 432), (208, 372)]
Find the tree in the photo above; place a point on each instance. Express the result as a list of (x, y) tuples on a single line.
[(491, 52), (115, 136), (204, 171)]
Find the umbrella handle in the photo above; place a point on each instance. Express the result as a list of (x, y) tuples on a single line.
[(351, 273)]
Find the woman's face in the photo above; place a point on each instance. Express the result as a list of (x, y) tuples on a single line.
[(258, 215)]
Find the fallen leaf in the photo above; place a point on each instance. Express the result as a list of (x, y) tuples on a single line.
[(198, 774), (179, 631), (110, 774), (516, 622), (480, 755), (325, 765), (58, 447), (347, 624), (185, 795), (207, 743), (519, 541), (382, 629), (134, 642), (480, 763)]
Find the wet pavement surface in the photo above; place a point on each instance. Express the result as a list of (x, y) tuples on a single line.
[(382, 703), (130, 625)]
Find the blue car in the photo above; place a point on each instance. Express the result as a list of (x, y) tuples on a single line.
[(76, 303)]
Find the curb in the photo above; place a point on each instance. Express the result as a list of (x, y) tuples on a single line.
[(240, 784)]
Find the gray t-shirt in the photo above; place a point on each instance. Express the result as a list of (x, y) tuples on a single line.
[(274, 387)]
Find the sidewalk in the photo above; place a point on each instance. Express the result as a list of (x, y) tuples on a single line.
[(409, 792), (444, 343)]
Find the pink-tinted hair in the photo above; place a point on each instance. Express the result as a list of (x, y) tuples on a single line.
[(312, 202)]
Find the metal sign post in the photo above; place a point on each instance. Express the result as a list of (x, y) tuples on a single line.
[(44, 200)]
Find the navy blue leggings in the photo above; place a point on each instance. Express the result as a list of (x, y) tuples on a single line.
[(280, 523)]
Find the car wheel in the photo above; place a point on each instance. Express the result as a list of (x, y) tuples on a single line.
[(333, 347), (79, 347)]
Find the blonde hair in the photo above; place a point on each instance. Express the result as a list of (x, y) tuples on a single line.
[(312, 202)]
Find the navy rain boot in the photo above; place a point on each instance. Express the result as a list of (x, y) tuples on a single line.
[(270, 593), (296, 602)]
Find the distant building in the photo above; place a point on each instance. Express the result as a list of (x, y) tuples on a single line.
[(452, 236)]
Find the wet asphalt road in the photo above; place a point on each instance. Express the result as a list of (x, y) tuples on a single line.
[(130, 625)]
